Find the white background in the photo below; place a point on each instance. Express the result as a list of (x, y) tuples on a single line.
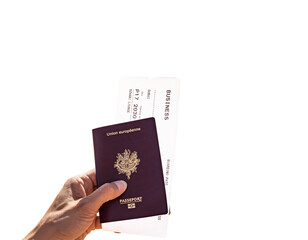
[(241, 159)]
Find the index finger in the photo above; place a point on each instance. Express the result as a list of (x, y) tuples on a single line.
[(92, 175)]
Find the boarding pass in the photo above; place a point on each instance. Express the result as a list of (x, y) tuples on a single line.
[(142, 98)]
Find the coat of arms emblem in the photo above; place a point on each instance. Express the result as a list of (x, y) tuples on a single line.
[(127, 162)]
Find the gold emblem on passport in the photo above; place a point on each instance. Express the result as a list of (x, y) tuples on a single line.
[(127, 162), (131, 205)]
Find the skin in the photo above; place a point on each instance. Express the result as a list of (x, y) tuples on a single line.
[(73, 213)]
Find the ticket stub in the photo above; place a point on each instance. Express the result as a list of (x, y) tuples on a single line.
[(143, 98)]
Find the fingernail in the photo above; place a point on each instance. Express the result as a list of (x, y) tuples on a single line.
[(122, 185)]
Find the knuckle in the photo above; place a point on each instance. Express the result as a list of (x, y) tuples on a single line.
[(69, 181), (111, 189)]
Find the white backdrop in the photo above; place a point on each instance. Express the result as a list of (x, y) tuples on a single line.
[(241, 160)]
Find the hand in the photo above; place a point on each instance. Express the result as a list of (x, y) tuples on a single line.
[(72, 215)]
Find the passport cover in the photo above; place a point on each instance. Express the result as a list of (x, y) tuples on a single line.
[(130, 152)]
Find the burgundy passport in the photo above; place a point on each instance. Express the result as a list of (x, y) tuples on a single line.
[(130, 151)]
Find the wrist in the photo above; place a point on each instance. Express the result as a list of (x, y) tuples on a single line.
[(40, 232)]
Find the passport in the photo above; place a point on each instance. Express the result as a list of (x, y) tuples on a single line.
[(130, 151)]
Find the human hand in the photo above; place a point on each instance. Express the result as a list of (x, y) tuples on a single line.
[(72, 215)]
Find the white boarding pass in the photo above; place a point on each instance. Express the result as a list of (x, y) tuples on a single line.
[(142, 98)]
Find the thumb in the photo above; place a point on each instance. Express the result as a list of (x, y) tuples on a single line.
[(104, 193)]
